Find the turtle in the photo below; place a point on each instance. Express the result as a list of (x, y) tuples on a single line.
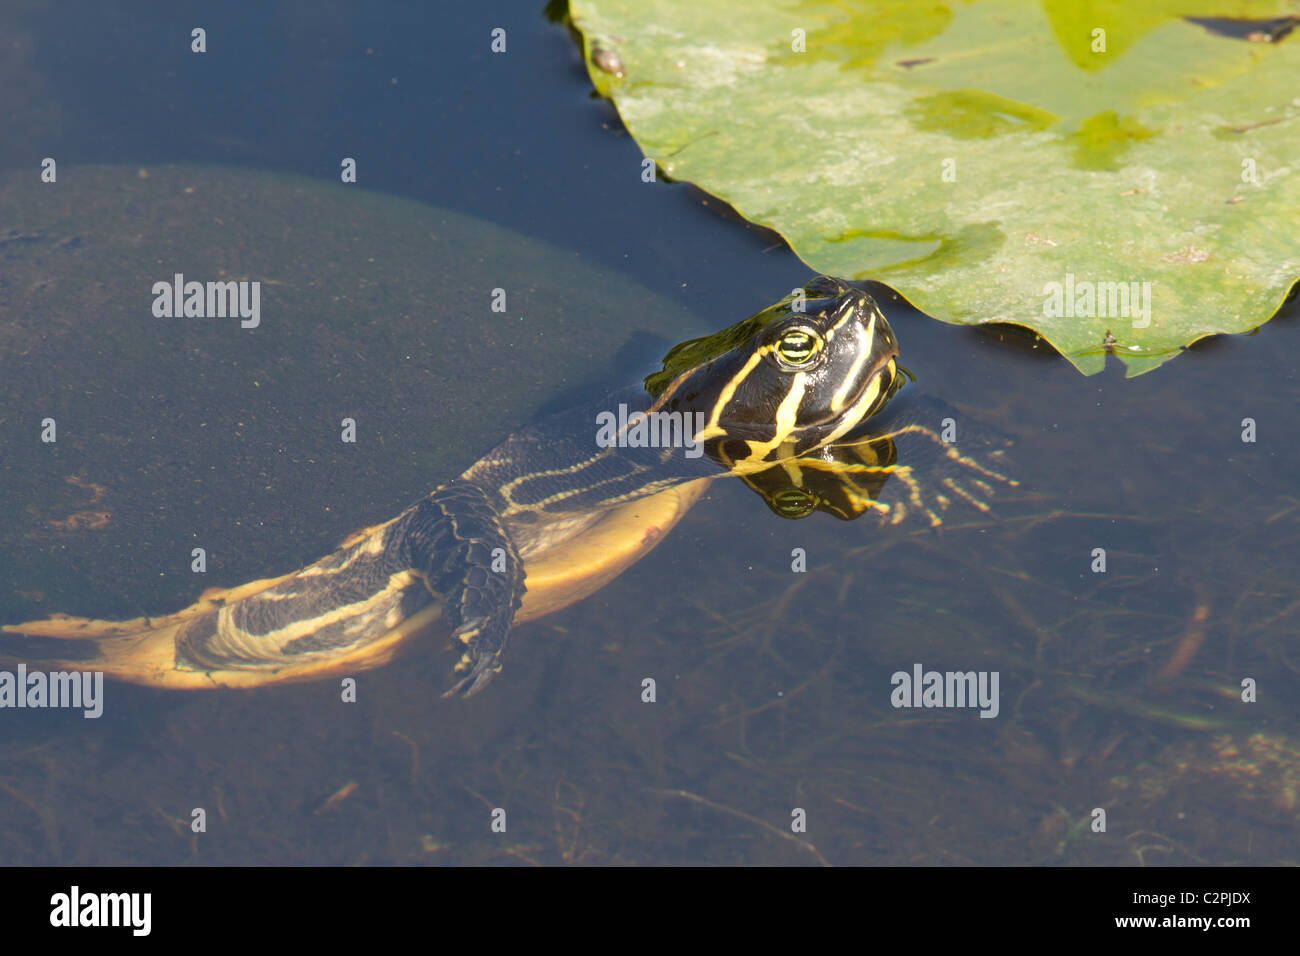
[(555, 511)]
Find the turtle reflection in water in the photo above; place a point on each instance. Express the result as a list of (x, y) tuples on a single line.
[(551, 515)]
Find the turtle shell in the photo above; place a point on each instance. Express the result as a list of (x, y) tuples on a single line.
[(174, 434)]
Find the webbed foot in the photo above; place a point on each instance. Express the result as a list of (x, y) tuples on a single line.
[(457, 540)]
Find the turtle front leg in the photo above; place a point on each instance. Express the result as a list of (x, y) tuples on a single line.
[(457, 541)]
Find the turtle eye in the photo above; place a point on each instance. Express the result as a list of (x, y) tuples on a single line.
[(793, 503), (797, 347)]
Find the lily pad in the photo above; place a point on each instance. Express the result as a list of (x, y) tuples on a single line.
[(1118, 177)]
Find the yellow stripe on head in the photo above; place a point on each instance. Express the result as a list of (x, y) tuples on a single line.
[(787, 417), (713, 429)]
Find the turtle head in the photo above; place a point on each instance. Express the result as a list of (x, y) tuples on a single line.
[(795, 377)]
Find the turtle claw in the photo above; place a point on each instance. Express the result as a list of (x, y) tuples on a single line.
[(475, 680), (482, 657)]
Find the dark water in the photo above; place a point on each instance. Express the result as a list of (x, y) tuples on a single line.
[(773, 687)]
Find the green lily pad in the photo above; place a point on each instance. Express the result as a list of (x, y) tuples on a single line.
[(1115, 176)]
